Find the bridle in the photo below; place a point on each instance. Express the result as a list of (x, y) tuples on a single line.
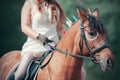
[(92, 52), (83, 39)]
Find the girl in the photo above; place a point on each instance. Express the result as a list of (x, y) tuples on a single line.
[(40, 21)]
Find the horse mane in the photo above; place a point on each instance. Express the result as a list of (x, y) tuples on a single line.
[(95, 23)]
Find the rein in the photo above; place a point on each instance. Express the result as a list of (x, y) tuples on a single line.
[(68, 53)]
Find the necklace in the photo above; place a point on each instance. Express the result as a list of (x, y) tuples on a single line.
[(45, 11)]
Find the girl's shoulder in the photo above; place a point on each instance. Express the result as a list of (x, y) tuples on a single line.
[(26, 7)]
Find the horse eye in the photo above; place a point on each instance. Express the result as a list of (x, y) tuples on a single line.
[(92, 33)]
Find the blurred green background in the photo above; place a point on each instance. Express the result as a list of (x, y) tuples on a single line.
[(11, 37)]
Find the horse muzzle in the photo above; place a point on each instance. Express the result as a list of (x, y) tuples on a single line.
[(106, 64)]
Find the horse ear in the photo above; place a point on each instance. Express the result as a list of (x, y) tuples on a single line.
[(78, 13), (81, 14), (89, 11), (96, 13)]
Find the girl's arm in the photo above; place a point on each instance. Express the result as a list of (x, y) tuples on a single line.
[(26, 21)]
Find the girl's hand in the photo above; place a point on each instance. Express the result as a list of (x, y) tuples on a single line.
[(42, 39)]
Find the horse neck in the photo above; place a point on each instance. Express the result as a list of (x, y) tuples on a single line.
[(69, 42)]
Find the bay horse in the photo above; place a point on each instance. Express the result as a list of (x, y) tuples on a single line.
[(85, 39)]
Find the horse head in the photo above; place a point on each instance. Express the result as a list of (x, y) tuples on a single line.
[(93, 41)]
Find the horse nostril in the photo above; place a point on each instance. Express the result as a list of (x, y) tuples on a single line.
[(110, 63)]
